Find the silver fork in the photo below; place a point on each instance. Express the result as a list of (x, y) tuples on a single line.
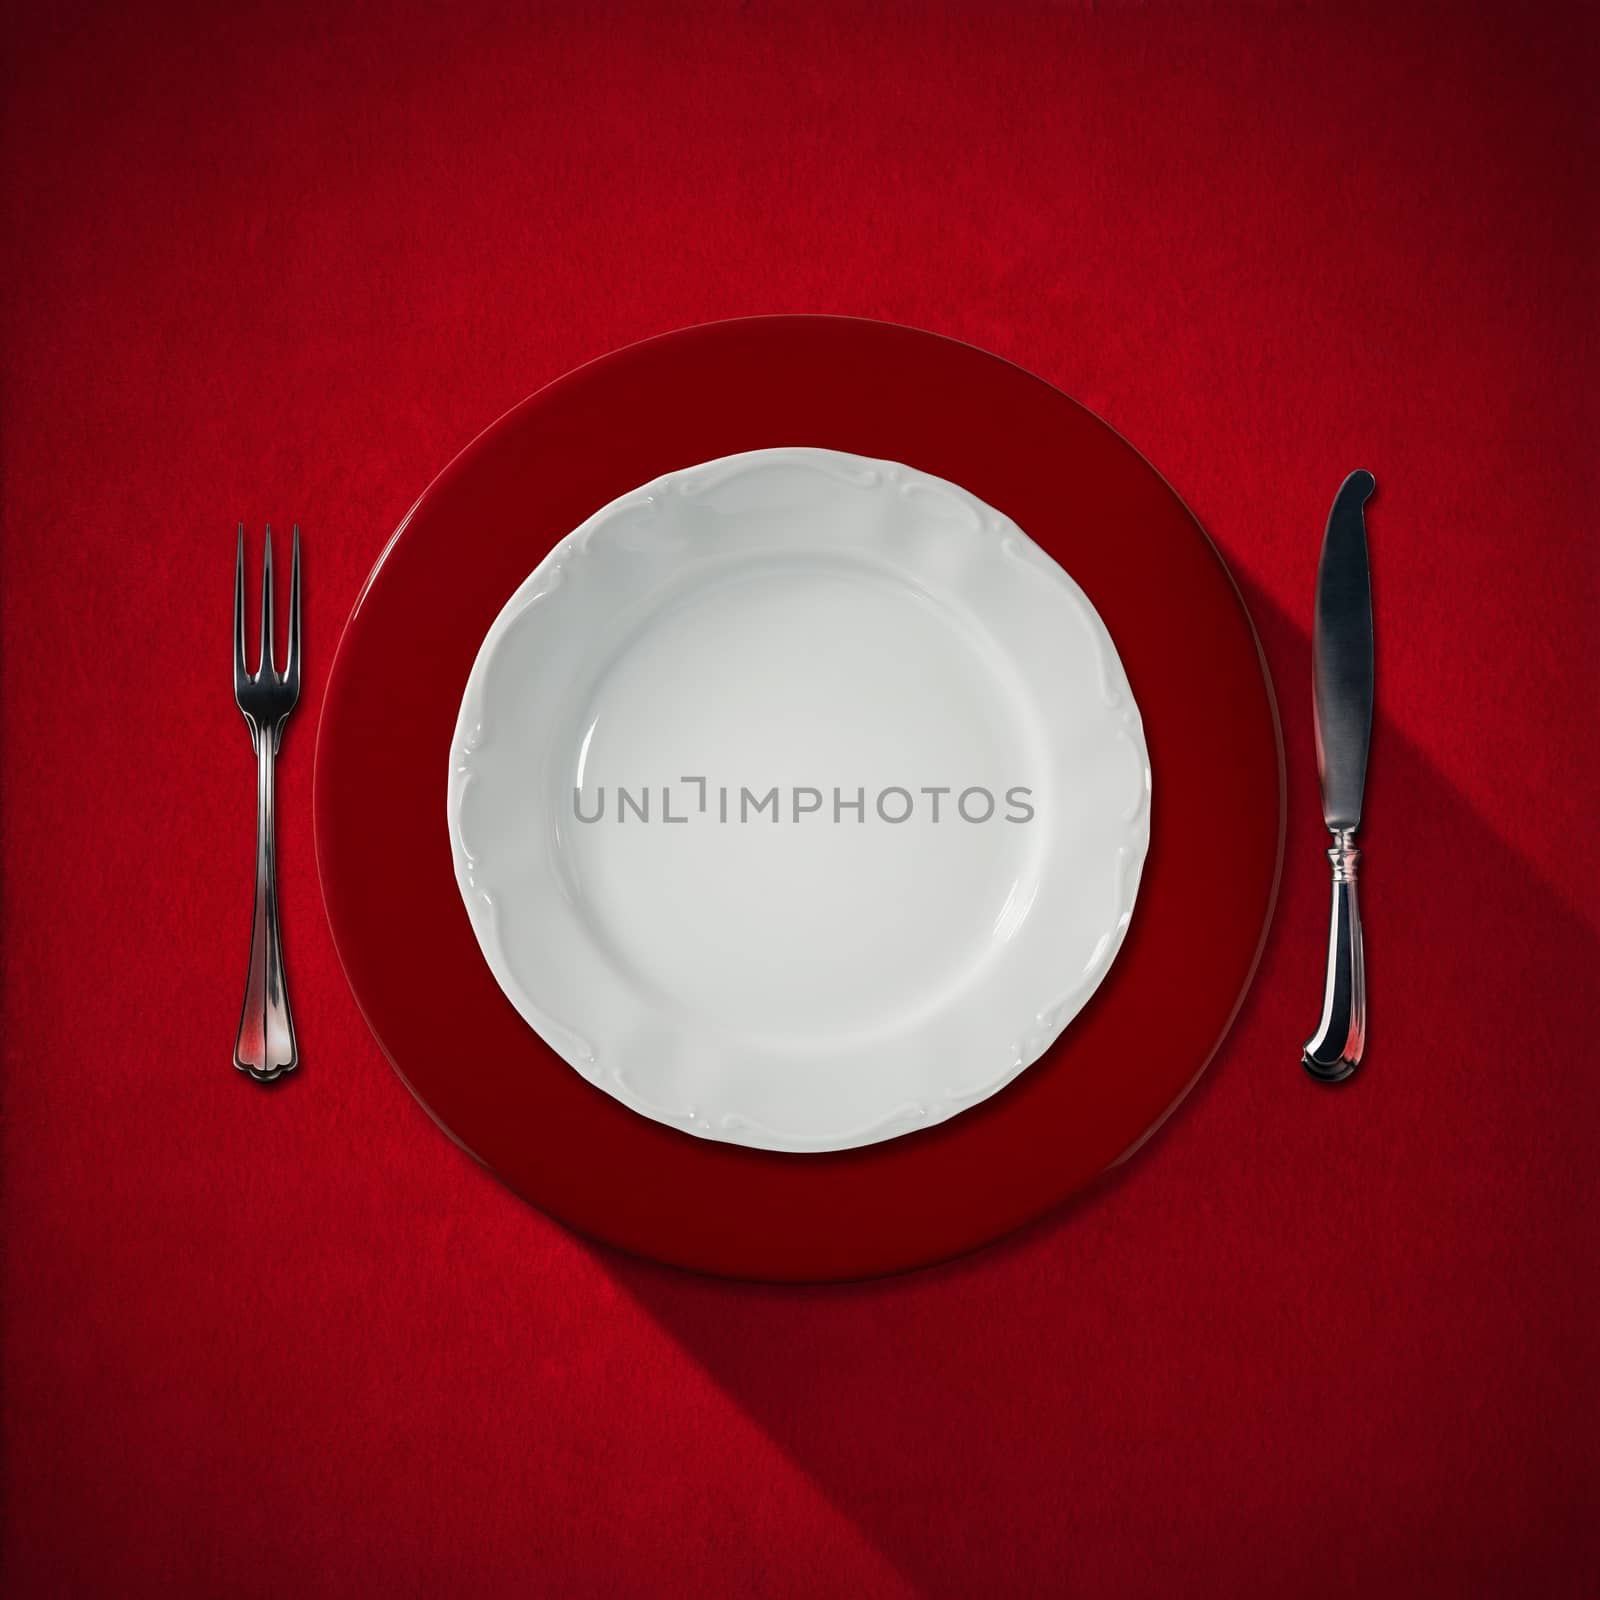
[(265, 1047)]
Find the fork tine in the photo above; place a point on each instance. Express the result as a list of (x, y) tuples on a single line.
[(240, 670), (291, 665), (266, 608)]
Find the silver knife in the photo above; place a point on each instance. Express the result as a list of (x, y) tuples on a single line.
[(1341, 672)]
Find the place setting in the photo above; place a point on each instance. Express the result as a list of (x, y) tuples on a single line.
[(799, 798), (869, 723)]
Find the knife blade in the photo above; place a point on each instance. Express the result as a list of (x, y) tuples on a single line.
[(1342, 681), (1341, 656)]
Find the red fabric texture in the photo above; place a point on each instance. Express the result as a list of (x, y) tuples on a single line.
[(280, 264)]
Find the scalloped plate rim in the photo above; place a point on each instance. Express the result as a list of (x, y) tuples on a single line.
[(1032, 1035)]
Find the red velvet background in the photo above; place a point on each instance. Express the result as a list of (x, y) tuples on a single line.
[(280, 264)]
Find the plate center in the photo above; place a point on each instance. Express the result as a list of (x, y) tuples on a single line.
[(802, 801)]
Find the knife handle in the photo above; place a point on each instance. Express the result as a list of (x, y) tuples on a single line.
[(1333, 1052)]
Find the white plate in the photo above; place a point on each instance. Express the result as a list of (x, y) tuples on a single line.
[(799, 972)]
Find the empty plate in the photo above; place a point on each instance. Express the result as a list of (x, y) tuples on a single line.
[(797, 623), (798, 800)]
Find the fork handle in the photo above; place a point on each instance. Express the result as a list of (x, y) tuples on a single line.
[(265, 1048), (1333, 1052)]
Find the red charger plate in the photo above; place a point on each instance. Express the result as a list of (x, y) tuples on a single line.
[(874, 389)]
